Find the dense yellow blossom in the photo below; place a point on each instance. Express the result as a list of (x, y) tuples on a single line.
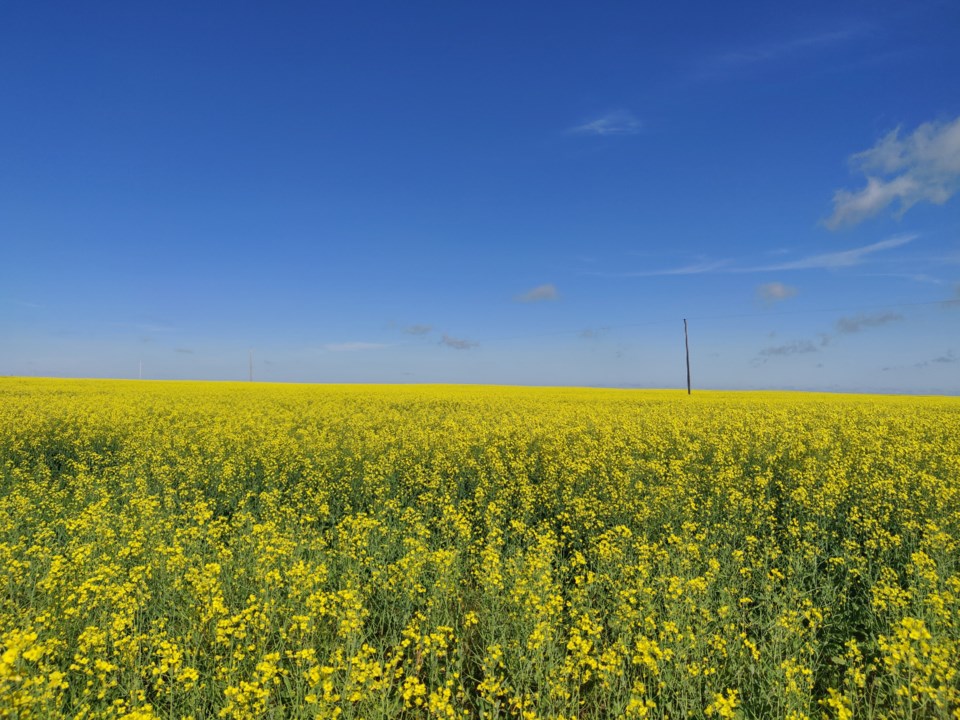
[(202, 550)]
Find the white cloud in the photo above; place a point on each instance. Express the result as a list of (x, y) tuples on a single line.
[(775, 292), (843, 258), (539, 294), (800, 46), (923, 166), (823, 261), (619, 122), (697, 268), (353, 346)]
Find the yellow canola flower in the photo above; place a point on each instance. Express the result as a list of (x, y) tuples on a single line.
[(258, 550)]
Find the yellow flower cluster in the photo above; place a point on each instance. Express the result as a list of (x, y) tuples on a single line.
[(200, 550)]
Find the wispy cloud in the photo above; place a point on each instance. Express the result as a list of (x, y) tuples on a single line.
[(923, 166), (799, 347), (540, 293), (761, 54), (353, 346), (775, 292), (457, 343), (822, 261), (183, 351), (27, 304), (947, 359), (418, 329), (955, 300), (849, 325), (915, 277), (829, 261), (618, 122), (697, 268), (145, 327), (843, 326), (593, 333)]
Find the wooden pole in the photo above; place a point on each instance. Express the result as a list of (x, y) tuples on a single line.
[(686, 342)]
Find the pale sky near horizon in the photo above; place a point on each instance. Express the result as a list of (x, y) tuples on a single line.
[(531, 193)]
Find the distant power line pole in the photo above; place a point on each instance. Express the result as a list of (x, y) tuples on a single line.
[(686, 342), (251, 366)]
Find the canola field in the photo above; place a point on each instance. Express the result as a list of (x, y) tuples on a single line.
[(216, 550)]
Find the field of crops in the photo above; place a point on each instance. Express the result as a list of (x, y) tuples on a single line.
[(245, 551)]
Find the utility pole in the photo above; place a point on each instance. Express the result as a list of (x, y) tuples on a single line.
[(686, 342), (251, 366)]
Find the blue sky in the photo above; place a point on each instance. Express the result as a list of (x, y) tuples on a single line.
[(529, 193)]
